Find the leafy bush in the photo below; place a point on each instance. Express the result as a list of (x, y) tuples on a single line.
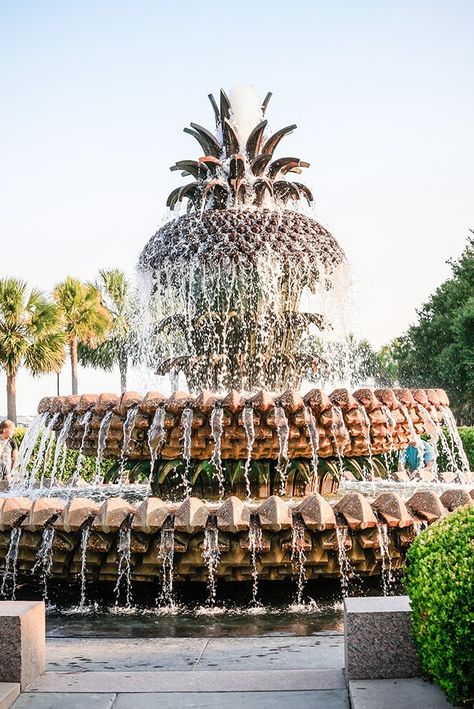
[(440, 582), (467, 437)]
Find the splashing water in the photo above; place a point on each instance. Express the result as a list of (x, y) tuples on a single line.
[(211, 556), (459, 452), (40, 458), (101, 442), (61, 445), (85, 421), (386, 560), (166, 555), (124, 571), (128, 426), (186, 425), (11, 560), (338, 426), (419, 527), (283, 431), (217, 429), (28, 444), (44, 559), (313, 435), (247, 418), (298, 555), (255, 547), (345, 567), (156, 435), (84, 542)]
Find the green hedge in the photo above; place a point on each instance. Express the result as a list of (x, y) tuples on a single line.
[(439, 579), (467, 437)]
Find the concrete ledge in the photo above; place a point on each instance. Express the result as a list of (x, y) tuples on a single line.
[(22, 641), (396, 694), (9, 691), (378, 642)]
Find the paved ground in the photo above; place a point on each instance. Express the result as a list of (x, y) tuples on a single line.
[(258, 672)]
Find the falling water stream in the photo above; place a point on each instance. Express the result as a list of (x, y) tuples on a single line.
[(217, 429), (84, 542), (156, 435), (85, 421), (247, 418), (211, 556), (386, 561), (283, 431), (255, 547), (124, 570), (101, 442), (345, 567), (11, 559), (186, 425), (298, 555), (313, 434), (44, 559), (166, 556), (61, 445), (128, 426)]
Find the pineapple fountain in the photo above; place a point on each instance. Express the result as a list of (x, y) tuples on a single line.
[(246, 478)]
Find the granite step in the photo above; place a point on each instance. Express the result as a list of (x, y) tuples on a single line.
[(9, 691), (396, 693)]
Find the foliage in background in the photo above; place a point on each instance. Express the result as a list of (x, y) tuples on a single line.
[(440, 582), (116, 348), (467, 437), (439, 350), (84, 318), (30, 335)]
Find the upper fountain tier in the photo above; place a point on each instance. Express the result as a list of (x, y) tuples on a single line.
[(230, 279)]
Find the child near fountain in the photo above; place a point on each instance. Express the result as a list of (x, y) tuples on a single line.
[(8, 449), (410, 458)]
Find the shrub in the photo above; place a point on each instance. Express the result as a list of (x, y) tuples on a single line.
[(467, 437), (439, 579)]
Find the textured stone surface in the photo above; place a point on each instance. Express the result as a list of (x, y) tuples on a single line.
[(60, 700), (396, 694), (22, 641), (378, 643)]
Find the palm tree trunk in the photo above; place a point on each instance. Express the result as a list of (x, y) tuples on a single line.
[(73, 355), (11, 397), (123, 365)]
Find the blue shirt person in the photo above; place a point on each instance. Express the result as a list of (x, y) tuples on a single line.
[(410, 458)]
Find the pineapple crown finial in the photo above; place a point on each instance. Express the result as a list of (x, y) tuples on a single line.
[(237, 169)]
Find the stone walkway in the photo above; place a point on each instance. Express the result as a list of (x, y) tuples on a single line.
[(258, 672)]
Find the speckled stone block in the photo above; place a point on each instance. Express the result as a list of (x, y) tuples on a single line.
[(378, 642), (22, 641)]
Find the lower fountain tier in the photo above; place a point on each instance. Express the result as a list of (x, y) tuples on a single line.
[(365, 533), (366, 422)]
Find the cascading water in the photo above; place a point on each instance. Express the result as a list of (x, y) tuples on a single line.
[(61, 445), (386, 559), (217, 429), (255, 547), (247, 419), (458, 452), (40, 458), (313, 435), (338, 427), (124, 570), (211, 556), (101, 443), (11, 560), (156, 435), (345, 567), (298, 555), (128, 426), (28, 444), (166, 556), (86, 531), (186, 425), (283, 431), (85, 421), (44, 559)]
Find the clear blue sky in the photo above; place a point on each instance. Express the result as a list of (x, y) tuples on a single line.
[(94, 96)]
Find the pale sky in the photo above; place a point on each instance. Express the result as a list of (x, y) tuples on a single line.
[(94, 96)]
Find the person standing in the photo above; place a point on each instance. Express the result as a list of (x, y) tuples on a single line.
[(410, 458), (8, 449)]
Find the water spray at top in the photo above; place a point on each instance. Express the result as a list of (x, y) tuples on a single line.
[(226, 282)]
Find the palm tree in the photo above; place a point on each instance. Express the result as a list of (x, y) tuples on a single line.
[(30, 335), (115, 350), (85, 319)]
